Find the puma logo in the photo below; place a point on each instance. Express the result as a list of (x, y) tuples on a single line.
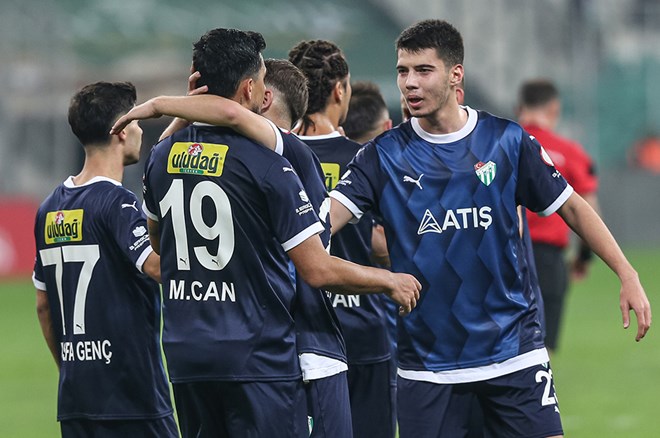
[(417, 182)]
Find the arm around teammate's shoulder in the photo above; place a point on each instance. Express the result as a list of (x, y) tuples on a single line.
[(321, 270)]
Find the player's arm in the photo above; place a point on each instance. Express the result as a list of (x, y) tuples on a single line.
[(151, 265), (154, 235), (206, 108), (582, 218), (379, 253), (340, 215), (46, 323), (583, 257), (321, 270)]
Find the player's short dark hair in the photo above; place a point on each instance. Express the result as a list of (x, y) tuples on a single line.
[(95, 108), (433, 34), (365, 109), (224, 57), (291, 83), (324, 64), (537, 92)]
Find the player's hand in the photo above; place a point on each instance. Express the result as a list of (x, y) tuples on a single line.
[(633, 297), (146, 110), (193, 89), (405, 292)]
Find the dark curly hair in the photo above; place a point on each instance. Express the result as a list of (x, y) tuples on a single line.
[(324, 65)]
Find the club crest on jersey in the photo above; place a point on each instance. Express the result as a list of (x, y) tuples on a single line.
[(63, 226), (197, 158), (485, 171)]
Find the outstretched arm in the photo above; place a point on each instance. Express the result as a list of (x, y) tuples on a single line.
[(205, 108), (577, 213), (321, 270)]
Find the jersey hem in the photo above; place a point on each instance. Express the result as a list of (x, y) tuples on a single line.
[(316, 366), (286, 378), (477, 374), (78, 416)]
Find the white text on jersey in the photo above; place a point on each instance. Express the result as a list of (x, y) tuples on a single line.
[(200, 292)]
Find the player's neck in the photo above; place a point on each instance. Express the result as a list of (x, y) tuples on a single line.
[(322, 124), (445, 120), (100, 163)]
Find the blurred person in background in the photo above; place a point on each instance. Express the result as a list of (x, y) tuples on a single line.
[(98, 309), (539, 112)]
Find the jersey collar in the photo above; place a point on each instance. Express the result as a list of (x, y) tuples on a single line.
[(71, 185), (452, 136)]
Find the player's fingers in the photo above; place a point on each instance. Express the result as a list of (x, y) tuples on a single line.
[(200, 90), (643, 321), (404, 310), (119, 125), (625, 313)]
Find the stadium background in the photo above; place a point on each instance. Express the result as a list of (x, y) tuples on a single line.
[(604, 55)]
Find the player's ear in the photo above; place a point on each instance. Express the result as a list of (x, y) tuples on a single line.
[(338, 92), (268, 100), (245, 89), (387, 125), (456, 74)]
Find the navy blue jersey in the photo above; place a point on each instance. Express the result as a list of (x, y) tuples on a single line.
[(91, 243), (449, 207), (317, 327), (362, 317), (228, 210)]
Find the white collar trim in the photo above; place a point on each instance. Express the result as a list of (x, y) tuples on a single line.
[(70, 184), (452, 136), (333, 134)]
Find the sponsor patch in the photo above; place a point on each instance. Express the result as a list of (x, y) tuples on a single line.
[(331, 172), (206, 159), (63, 226)]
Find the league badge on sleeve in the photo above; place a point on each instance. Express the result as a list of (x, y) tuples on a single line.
[(485, 172)]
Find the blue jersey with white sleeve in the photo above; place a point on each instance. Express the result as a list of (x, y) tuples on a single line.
[(228, 210), (449, 206), (91, 242), (362, 317)]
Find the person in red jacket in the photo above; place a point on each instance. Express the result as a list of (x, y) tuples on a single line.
[(539, 112)]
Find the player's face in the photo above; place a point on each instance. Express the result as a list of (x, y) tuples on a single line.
[(424, 82), (133, 143)]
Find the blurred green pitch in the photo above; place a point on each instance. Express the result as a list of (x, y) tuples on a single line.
[(606, 383)]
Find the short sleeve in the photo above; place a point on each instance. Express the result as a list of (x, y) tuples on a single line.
[(128, 226), (357, 189), (541, 187), (292, 214)]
